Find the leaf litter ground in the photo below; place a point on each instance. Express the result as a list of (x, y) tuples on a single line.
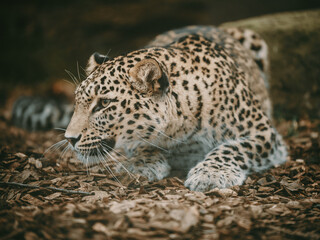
[(47, 197)]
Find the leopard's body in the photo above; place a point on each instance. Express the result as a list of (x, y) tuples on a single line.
[(195, 98)]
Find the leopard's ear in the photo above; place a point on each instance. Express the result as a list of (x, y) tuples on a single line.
[(95, 61), (148, 78)]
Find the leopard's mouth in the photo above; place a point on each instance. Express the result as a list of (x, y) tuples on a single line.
[(108, 144), (95, 152)]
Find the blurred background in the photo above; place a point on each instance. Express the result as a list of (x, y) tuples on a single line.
[(40, 39)]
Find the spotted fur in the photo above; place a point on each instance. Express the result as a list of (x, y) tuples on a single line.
[(198, 102)]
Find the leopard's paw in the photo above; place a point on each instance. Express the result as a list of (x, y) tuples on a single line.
[(203, 178)]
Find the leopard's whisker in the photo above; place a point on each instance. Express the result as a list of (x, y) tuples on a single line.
[(105, 157), (85, 74), (79, 78), (75, 83), (64, 151), (103, 161), (115, 160), (72, 84), (104, 59), (60, 129), (55, 146), (74, 79), (112, 149), (162, 133), (152, 144), (108, 52), (106, 56), (87, 159)]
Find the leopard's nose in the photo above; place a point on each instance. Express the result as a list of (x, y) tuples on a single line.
[(73, 140)]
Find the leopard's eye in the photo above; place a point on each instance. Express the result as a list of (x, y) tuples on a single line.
[(105, 102)]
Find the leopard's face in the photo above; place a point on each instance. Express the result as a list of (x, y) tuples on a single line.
[(118, 106)]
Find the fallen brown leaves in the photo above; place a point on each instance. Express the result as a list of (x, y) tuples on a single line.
[(49, 198)]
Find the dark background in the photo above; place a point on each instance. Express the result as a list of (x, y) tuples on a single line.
[(40, 39)]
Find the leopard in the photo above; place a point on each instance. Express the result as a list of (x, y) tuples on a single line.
[(193, 99)]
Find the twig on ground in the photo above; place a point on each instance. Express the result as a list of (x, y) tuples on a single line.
[(50, 188)]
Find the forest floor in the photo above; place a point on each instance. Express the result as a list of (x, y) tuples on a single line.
[(44, 196)]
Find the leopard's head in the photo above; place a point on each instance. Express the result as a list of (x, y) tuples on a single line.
[(121, 104)]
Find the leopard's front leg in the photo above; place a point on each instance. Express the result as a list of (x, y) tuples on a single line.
[(230, 163), (147, 162)]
